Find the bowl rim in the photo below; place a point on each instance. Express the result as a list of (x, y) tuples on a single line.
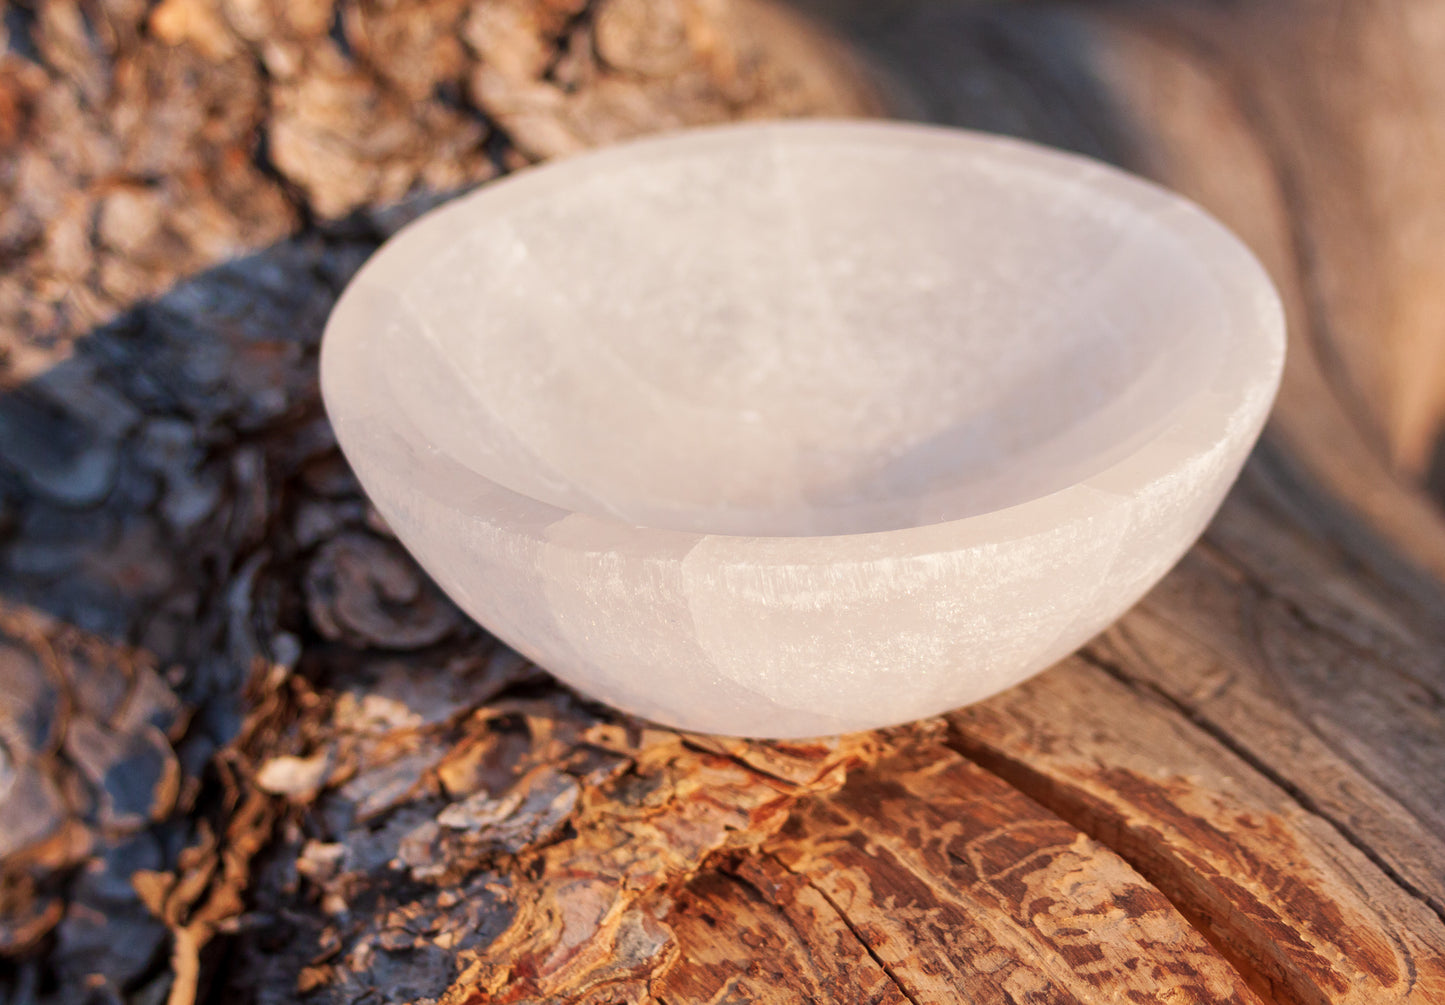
[(1240, 393)]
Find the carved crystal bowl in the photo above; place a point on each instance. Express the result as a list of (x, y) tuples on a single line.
[(793, 429)]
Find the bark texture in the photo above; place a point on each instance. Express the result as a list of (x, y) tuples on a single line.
[(249, 753)]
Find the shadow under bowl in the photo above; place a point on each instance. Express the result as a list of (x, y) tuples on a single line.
[(798, 428)]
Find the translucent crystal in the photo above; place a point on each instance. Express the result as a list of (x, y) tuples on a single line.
[(790, 429)]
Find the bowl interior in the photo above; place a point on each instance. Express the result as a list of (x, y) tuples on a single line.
[(800, 333)]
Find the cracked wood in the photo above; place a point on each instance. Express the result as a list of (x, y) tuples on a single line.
[(1234, 795)]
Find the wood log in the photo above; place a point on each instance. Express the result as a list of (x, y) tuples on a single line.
[(250, 753)]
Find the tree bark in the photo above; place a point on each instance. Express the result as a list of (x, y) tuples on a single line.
[(250, 753)]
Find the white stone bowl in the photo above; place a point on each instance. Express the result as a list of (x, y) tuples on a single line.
[(799, 428)]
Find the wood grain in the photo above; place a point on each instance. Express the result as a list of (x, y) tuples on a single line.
[(249, 751), (1294, 904), (961, 885)]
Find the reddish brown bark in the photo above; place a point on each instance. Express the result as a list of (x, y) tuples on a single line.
[(249, 751)]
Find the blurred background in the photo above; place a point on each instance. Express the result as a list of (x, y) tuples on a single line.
[(217, 668)]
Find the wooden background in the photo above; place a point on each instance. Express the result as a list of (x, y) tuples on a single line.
[(248, 753)]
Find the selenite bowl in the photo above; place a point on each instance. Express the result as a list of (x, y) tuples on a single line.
[(798, 428)]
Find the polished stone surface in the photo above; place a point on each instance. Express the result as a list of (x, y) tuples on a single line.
[(798, 428)]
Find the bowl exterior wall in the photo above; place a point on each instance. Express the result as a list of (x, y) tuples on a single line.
[(797, 637)]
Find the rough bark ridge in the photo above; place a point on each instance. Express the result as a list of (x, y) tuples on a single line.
[(247, 752)]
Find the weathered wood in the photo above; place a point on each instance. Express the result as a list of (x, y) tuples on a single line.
[(1236, 794), (756, 932), (960, 884), (1299, 909)]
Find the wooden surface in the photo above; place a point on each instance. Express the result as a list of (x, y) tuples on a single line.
[(247, 752)]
